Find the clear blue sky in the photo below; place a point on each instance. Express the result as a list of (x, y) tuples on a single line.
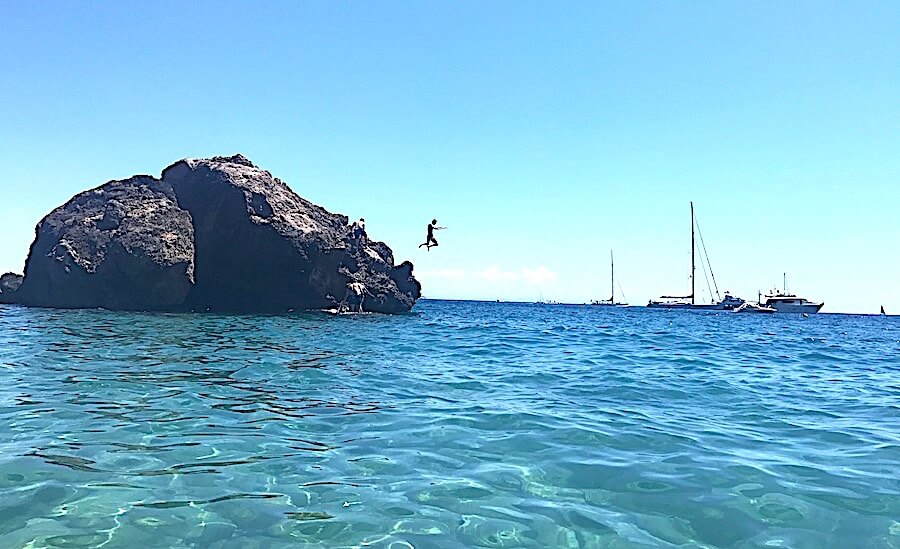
[(542, 134)]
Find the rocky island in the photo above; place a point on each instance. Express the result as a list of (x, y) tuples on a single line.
[(217, 234)]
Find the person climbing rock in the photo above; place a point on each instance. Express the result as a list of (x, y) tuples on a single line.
[(354, 298), (358, 234)]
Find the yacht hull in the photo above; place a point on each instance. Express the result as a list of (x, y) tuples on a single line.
[(728, 304), (686, 306), (808, 308)]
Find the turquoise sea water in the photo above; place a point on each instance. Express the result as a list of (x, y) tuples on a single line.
[(458, 425)]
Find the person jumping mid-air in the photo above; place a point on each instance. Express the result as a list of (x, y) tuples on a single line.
[(430, 241)]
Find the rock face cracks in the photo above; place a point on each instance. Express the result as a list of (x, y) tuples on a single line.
[(215, 234)]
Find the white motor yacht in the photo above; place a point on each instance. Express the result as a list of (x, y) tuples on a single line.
[(785, 302), (791, 303)]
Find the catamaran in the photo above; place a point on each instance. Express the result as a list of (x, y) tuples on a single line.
[(728, 303), (611, 302)]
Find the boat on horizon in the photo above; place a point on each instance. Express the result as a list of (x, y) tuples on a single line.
[(882, 311), (728, 303), (611, 302), (786, 302), (542, 301)]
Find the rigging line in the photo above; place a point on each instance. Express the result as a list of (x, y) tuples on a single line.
[(702, 243), (625, 299), (706, 276)]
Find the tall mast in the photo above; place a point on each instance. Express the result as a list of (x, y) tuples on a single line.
[(612, 285), (693, 266)]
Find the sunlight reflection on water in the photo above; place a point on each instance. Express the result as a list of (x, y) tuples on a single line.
[(459, 425)]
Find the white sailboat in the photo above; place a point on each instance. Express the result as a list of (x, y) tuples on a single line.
[(611, 302), (728, 303)]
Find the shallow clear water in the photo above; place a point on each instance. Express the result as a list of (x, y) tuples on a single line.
[(459, 425)]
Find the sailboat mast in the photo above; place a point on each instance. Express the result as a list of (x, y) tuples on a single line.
[(612, 285), (693, 266)]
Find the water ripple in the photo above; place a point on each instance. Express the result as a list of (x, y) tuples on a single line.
[(459, 425)]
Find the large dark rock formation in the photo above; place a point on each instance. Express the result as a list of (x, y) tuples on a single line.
[(217, 234), (124, 245)]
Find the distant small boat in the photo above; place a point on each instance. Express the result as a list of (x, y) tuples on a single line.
[(611, 302), (754, 308), (882, 311)]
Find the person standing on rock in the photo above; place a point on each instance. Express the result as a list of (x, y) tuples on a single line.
[(429, 238), (358, 230)]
